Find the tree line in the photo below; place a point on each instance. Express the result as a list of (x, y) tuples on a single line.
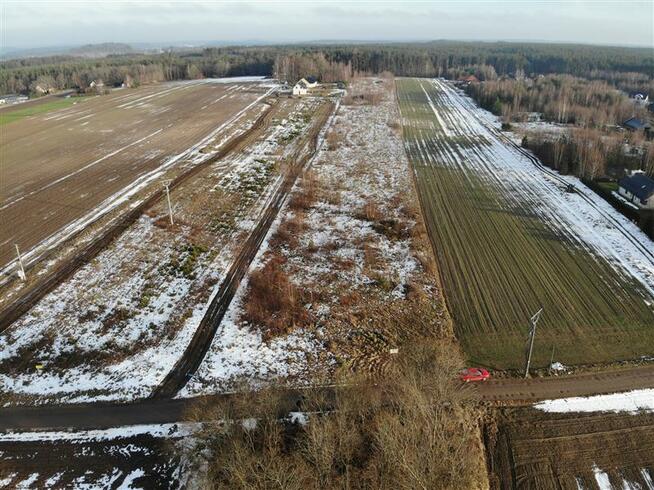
[(558, 98), (335, 62)]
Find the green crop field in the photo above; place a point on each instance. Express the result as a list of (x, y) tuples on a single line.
[(509, 240), (11, 115)]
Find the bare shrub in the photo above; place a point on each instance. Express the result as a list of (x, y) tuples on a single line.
[(273, 301), (367, 98), (370, 212), (334, 139), (306, 196), (412, 428), (395, 126)]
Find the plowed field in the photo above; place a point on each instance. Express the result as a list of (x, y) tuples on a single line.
[(61, 166)]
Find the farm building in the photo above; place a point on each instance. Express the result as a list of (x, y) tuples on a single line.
[(303, 85), (639, 98), (300, 88), (638, 189), (12, 99), (469, 79), (635, 124)]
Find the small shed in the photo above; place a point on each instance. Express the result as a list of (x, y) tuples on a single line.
[(638, 188), (311, 81), (635, 124)]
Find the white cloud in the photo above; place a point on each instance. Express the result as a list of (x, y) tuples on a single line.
[(73, 22)]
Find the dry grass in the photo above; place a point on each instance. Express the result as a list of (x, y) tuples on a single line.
[(334, 139), (363, 98), (273, 302), (410, 429)]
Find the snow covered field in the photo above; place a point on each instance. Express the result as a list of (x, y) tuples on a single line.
[(572, 215), (604, 482), (126, 195), (630, 401), (115, 329), (351, 244), (123, 457)]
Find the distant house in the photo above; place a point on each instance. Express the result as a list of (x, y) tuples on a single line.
[(469, 79), (311, 81), (39, 89), (635, 124), (303, 85), (96, 84), (638, 188), (12, 98), (639, 97), (300, 88)]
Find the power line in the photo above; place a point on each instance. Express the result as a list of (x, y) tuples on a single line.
[(532, 334)]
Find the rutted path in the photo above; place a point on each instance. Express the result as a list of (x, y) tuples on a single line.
[(201, 341), (509, 391)]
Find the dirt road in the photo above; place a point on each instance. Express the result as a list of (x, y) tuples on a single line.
[(529, 390), (165, 410)]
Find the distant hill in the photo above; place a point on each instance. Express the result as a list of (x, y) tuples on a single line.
[(101, 50)]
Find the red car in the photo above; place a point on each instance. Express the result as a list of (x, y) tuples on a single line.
[(474, 374)]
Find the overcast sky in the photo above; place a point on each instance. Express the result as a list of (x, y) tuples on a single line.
[(38, 24)]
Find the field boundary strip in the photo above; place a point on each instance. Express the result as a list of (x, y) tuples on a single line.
[(199, 345)]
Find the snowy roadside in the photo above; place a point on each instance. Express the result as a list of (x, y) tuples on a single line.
[(633, 402)]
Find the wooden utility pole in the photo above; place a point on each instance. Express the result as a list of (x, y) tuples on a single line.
[(21, 268), (532, 334), (170, 207)]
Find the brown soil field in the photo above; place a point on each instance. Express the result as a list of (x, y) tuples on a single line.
[(140, 460), (57, 166), (530, 449)]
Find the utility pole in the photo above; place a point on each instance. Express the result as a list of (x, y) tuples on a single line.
[(170, 207), (21, 269), (532, 334)]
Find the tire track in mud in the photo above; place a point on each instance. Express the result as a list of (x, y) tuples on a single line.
[(25, 301), (195, 352)]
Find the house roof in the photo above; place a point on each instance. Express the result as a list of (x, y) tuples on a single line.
[(302, 83), (640, 185), (469, 78), (635, 123)]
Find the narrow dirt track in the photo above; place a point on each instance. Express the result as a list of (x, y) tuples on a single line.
[(190, 361), (508, 392), (513, 390)]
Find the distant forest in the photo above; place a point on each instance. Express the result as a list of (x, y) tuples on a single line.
[(334, 62)]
